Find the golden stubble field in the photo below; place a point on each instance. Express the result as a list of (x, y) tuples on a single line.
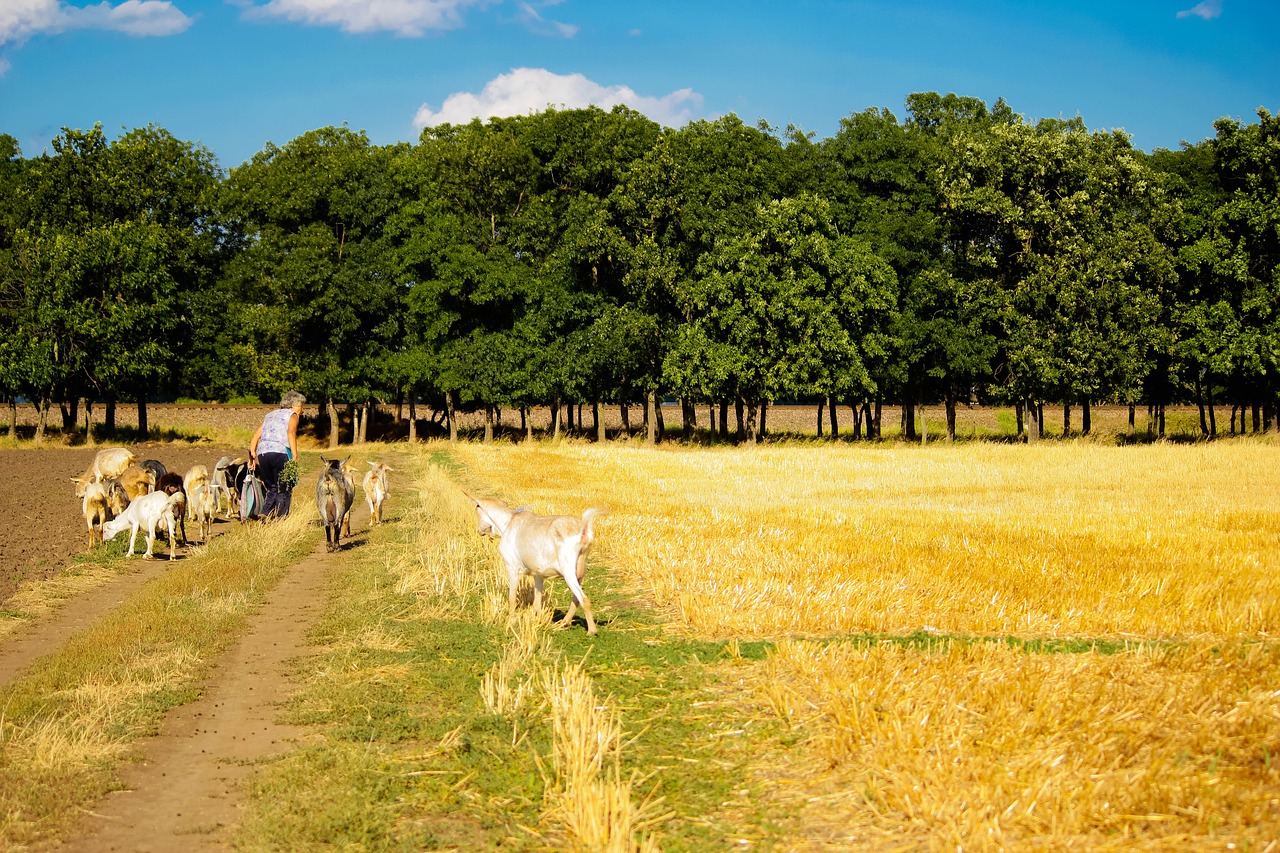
[(981, 646)]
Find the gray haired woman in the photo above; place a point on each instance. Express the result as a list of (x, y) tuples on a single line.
[(274, 444)]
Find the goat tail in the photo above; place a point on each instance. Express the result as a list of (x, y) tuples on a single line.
[(589, 526)]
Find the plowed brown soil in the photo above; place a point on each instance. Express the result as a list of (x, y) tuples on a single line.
[(41, 526)]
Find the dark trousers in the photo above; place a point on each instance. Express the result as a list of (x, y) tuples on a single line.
[(269, 467)]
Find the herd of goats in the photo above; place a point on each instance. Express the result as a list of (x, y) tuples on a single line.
[(118, 492)]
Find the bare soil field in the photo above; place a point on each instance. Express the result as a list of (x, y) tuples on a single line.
[(43, 526)]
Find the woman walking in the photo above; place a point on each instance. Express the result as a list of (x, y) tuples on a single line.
[(274, 444)]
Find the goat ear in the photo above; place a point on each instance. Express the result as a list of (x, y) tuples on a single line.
[(347, 459)]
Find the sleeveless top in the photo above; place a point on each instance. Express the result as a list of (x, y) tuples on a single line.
[(275, 432)]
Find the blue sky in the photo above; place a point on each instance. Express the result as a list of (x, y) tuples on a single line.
[(236, 74)]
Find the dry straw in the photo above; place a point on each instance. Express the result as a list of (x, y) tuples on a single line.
[(1163, 737), (590, 798), (1051, 541)]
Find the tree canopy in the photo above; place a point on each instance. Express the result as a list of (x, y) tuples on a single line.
[(961, 253)]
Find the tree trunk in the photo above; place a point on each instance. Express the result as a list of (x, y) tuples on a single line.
[(651, 416), (724, 419), (488, 424), (109, 422), (711, 419), (331, 409), (950, 403), (70, 415), (688, 418), (662, 422), (1033, 422), (752, 412), (88, 421), (13, 416), (857, 422), (1066, 419), (822, 404), (909, 420), (568, 426), (1133, 417), (1213, 419), (357, 433), (873, 418), (1204, 423), (413, 419), (598, 421), (835, 418), (1086, 417), (526, 423), (764, 413), (451, 415), (143, 430), (555, 418), (42, 419), (742, 424), (1017, 414), (625, 411)]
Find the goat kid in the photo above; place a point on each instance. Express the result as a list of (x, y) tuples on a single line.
[(170, 483), (203, 508), (147, 512), (335, 493), (227, 478), (376, 487), (97, 511), (541, 546)]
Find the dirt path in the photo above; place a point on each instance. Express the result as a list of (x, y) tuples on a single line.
[(185, 792)]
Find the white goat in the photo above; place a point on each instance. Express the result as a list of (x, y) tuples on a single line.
[(542, 546), (376, 487), (203, 508), (197, 475), (148, 512), (97, 511), (108, 463)]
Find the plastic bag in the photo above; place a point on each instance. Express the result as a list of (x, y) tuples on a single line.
[(252, 496)]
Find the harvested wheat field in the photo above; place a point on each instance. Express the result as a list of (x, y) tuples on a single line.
[(1066, 646)]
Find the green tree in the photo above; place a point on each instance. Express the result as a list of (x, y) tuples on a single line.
[(789, 308), (695, 187), (315, 290)]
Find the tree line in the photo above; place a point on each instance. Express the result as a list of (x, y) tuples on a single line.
[(962, 254)]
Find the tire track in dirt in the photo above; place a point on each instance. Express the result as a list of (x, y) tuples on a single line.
[(185, 792)]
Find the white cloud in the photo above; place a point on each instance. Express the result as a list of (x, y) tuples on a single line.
[(4, 67), (531, 90), (21, 19), (1207, 9), (403, 17), (539, 25)]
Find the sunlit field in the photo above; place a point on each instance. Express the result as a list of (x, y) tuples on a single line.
[(1055, 541), (984, 646)]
